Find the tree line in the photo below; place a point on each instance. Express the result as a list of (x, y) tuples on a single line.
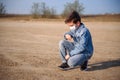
[(41, 10)]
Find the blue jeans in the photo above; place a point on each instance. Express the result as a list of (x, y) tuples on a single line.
[(65, 47)]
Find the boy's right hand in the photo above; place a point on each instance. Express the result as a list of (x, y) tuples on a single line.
[(68, 37)]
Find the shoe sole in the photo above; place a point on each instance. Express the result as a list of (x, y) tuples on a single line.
[(84, 69), (70, 68)]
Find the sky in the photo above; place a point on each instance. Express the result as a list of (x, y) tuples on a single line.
[(91, 6)]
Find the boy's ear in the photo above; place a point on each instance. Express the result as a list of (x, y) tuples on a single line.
[(78, 23)]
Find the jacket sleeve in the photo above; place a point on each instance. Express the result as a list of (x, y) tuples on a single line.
[(81, 45)]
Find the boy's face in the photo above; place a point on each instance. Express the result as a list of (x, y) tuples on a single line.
[(70, 24)]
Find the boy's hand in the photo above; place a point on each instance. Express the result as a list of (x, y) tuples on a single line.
[(69, 38), (67, 57)]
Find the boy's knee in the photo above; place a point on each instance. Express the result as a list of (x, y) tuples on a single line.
[(70, 63), (61, 42)]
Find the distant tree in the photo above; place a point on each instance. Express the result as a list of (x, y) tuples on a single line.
[(35, 10), (72, 6), (2, 9), (47, 12), (42, 10), (53, 12)]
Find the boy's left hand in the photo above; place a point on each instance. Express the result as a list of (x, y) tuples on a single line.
[(67, 57)]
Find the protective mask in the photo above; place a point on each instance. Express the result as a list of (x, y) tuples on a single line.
[(72, 27)]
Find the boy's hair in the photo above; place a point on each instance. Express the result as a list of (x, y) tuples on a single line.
[(74, 16)]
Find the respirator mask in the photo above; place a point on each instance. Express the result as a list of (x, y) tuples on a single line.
[(72, 27)]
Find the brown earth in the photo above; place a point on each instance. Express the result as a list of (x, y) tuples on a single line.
[(29, 51)]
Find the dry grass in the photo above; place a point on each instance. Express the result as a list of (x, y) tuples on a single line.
[(85, 18)]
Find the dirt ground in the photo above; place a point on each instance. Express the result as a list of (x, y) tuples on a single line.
[(29, 51)]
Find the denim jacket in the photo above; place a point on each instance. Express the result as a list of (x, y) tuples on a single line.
[(82, 41)]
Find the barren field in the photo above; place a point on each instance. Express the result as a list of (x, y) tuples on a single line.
[(29, 51)]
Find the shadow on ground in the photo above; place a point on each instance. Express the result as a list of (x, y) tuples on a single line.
[(104, 65), (99, 65)]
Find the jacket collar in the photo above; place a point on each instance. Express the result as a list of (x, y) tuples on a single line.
[(80, 27)]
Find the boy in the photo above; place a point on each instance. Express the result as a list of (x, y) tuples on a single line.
[(76, 48)]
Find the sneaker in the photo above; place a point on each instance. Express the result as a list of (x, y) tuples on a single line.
[(64, 65), (84, 66)]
